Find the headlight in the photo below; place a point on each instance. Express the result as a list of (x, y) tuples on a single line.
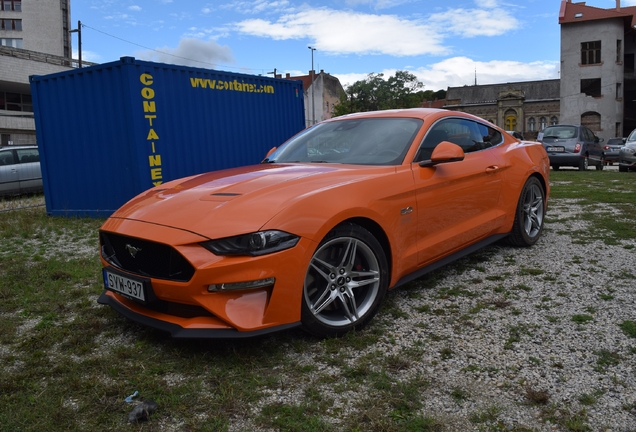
[(255, 244)]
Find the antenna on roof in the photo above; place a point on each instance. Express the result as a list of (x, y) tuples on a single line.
[(475, 75)]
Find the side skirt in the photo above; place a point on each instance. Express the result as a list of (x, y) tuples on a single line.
[(449, 259)]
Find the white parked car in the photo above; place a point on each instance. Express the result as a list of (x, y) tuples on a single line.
[(20, 170)]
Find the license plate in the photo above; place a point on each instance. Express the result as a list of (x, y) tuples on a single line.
[(555, 149), (124, 285)]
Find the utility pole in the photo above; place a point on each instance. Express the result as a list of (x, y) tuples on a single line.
[(78, 30), (313, 103)]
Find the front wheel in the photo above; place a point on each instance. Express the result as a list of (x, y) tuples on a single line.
[(529, 214), (622, 168), (600, 166), (583, 164), (345, 282)]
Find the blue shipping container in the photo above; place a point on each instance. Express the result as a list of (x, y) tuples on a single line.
[(108, 132)]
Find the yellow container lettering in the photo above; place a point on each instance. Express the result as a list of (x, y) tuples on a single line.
[(154, 160), (156, 174)]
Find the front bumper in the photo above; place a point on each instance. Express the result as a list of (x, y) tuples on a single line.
[(197, 329), (192, 308)]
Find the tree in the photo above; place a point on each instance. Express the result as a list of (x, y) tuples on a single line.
[(402, 90)]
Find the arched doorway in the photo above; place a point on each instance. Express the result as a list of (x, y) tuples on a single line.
[(510, 120)]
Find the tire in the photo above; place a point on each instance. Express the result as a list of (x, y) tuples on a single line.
[(556, 167), (345, 282), (622, 168), (529, 215), (599, 166), (583, 164)]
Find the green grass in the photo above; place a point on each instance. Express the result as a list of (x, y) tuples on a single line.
[(67, 363)]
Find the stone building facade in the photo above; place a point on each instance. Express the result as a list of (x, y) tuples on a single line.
[(525, 107), (597, 65), (321, 92)]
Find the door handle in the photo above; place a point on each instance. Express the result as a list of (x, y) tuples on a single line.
[(492, 169)]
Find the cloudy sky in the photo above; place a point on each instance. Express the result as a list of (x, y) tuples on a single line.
[(444, 43)]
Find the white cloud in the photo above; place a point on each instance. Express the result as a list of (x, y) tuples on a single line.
[(476, 22), (134, 8), (191, 52), (460, 71), (343, 32), (258, 6)]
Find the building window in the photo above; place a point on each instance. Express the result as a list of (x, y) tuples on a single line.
[(554, 121), (542, 123), (591, 120), (619, 51), (591, 52), (532, 124), (14, 43), (10, 24), (11, 5), (591, 87), (619, 91), (16, 102)]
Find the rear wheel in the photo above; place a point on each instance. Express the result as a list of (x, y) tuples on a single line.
[(529, 215), (600, 166), (583, 164), (622, 168), (345, 283), (555, 167)]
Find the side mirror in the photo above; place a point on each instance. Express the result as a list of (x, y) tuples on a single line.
[(445, 152)]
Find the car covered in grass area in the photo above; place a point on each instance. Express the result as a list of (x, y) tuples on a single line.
[(573, 146), (316, 234)]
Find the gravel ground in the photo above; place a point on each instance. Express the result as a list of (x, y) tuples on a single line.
[(507, 339), (510, 338)]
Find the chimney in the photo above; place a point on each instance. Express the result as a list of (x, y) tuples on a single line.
[(287, 75), (618, 5)]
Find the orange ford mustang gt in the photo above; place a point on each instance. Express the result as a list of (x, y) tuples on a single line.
[(317, 233)]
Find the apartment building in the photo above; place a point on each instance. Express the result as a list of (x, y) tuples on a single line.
[(35, 39)]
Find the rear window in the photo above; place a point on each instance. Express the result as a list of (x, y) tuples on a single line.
[(561, 132)]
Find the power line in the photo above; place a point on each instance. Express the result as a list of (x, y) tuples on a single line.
[(157, 51)]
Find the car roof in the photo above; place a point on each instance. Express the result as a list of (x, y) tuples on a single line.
[(17, 147), (417, 113)]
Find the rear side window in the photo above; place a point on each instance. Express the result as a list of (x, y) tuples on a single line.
[(28, 155), (6, 157)]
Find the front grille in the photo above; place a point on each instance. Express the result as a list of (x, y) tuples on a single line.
[(145, 258)]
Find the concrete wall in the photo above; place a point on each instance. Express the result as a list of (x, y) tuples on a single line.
[(610, 71)]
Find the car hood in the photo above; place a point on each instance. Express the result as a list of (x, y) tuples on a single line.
[(240, 200)]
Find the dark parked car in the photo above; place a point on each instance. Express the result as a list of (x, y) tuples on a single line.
[(572, 145), (611, 149), (20, 170)]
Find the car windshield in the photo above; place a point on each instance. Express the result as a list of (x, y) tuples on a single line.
[(561, 132), (371, 141)]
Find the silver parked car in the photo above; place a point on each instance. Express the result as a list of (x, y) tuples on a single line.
[(611, 149), (20, 170), (572, 145), (627, 154)]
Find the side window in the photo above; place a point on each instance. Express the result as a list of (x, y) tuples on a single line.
[(28, 155), (6, 157), (587, 134), (469, 135)]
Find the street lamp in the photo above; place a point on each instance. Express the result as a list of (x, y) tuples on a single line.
[(78, 30), (313, 103)]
